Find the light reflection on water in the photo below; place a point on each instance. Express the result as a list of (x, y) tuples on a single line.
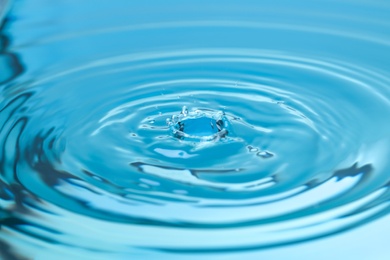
[(282, 140)]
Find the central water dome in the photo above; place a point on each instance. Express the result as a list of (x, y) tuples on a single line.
[(199, 125)]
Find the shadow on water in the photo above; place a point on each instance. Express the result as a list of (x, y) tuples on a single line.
[(10, 65), (10, 68), (353, 171), (7, 253)]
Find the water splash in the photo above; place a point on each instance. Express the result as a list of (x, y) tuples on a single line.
[(199, 126)]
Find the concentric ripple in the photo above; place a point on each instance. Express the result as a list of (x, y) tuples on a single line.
[(262, 148)]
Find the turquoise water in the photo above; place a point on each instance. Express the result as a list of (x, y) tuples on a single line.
[(197, 129)]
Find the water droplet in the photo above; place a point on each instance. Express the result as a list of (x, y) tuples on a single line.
[(252, 149), (265, 154), (184, 111)]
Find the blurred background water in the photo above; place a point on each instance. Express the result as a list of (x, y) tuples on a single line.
[(277, 141)]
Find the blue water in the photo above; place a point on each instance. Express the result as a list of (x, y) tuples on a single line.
[(194, 129)]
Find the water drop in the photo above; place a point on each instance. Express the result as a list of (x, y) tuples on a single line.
[(265, 154), (184, 111), (252, 149)]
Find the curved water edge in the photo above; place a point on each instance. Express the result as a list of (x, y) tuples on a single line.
[(263, 147), (4, 6)]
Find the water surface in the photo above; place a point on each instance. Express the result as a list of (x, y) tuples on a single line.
[(194, 129)]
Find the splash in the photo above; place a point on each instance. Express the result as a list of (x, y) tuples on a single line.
[(199, 126)]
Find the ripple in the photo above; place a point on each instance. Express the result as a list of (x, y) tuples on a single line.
[(271, 147)]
